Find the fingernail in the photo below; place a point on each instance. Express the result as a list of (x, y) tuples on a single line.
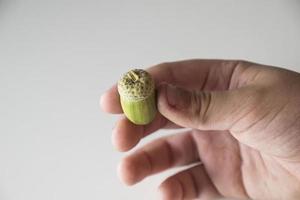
[(177, 97), (172, 95)]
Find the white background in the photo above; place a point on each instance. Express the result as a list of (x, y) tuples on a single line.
[(58, 56)]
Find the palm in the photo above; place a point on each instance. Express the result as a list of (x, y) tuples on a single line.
[(238, 170)]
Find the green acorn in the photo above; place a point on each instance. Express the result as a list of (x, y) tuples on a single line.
[(137, 96)]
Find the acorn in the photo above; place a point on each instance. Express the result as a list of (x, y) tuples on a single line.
[(137, 96)]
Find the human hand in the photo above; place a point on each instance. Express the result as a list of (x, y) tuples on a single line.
[(244, 136)]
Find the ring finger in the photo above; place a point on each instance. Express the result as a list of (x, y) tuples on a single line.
[(157, 156)]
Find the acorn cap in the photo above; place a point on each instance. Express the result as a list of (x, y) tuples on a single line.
[(136, 85)]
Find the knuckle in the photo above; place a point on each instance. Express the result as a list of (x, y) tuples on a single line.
[(200, 106), (234, 64), (240, 63), (257, 104), (258, 95)]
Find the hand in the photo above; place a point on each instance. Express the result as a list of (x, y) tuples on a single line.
[(244, 136)]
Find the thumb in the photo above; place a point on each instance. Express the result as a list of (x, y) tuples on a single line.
[(206, 110)]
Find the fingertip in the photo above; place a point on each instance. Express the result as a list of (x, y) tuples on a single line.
[(170, 189), (134, 168), (121, 143), (126, 135), (126, 171)]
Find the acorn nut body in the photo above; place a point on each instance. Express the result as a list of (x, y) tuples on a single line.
[(137, 96)]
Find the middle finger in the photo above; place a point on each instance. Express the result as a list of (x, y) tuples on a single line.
[(159, 155), (126, 134)]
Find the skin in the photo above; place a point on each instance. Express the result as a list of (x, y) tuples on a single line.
[(243, 138)]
